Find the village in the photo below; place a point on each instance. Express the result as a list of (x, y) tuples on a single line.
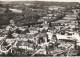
[(56, 34)]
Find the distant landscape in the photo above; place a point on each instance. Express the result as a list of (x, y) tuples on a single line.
[(32, 11), (39, 28)]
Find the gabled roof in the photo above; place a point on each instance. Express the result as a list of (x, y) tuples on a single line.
[(42, 35)]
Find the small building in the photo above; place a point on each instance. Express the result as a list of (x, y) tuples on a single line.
[(22, 44), (27, 36), (33, 30), (50, 34), (41, 38), (25, 45), (30, 36)]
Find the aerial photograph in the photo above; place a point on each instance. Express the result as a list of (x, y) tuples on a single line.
[(37, 28)]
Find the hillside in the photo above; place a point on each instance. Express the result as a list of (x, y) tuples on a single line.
[(28, 15)]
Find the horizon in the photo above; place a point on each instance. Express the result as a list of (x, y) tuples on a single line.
[(43, 0)]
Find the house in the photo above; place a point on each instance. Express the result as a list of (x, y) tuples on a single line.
[(30, 36), (41, 38), (25, 44), (26, 36), (22, 44), (69, 36), (50, 34), (33, 30), (22, 36)]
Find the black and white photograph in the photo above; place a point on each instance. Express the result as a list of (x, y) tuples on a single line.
[(40, 28)]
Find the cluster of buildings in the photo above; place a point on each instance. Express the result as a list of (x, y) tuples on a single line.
[(57, 35), (38, 39)]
